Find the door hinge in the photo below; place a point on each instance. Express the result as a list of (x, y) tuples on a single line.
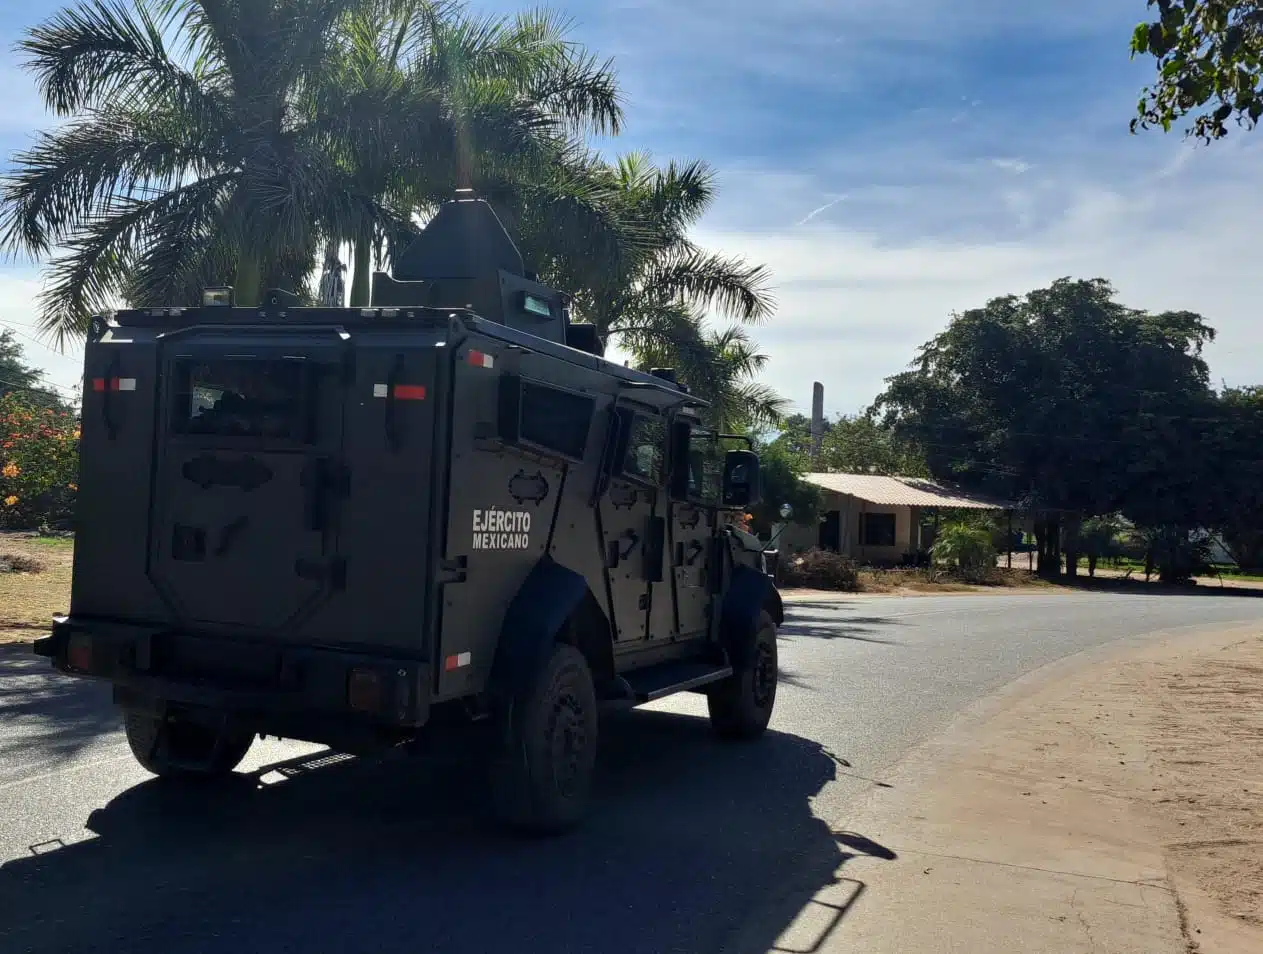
[(453, 571)]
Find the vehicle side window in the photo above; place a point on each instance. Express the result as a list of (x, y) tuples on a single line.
[(555, 419), (705, 467), (645, 453)]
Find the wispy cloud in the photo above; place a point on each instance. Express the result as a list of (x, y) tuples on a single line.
[(820, 209), (856, 300)]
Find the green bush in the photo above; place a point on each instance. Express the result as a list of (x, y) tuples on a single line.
[(821, 570), (964, 546)]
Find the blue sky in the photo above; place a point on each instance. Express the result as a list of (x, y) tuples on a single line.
[(893, 161)]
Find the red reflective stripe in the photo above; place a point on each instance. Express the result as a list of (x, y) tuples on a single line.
[(98, 384), (113, 384), (410, 392), (480, 360)]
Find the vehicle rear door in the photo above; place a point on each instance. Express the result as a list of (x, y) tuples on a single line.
[(250, 475)]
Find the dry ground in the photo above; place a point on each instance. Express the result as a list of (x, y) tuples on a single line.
[(28, 601), (1114, 805), (1205, 735)]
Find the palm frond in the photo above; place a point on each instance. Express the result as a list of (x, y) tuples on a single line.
[(100, 261), (101, 52), (582, 93), (179, 243), (727, 284), (78, 171), (758, 405)]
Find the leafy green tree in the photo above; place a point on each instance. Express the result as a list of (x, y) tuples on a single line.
[(781, 471), (18, 377), (1066, 401), (1209, 58), (15, 374), (1238, 473), (859, 444), (863, 444)]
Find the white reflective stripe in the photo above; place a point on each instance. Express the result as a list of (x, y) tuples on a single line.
[(464, 659), (127, 384), (488, 361), (380, 390)]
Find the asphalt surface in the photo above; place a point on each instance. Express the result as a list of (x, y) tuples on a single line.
[(691, 846)]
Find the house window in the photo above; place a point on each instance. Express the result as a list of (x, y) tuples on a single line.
[(879, 530)]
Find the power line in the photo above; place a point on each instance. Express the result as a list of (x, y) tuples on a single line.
[(26, 388)]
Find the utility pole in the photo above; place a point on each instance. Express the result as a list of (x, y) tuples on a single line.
[(817, 423)]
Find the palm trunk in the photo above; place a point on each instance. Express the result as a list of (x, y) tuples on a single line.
[(361, 280), (246, 286)]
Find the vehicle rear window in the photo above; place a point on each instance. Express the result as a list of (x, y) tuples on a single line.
[(241, 398)]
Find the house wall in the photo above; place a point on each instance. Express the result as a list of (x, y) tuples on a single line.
[(798, 537), (876, 554)]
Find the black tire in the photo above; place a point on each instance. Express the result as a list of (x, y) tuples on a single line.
[(741, 706), (173, 749), (541, 770)]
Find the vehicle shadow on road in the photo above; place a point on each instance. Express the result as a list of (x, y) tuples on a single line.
[(691, 845), (58, 716)]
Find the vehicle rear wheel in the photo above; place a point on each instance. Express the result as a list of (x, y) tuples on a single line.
[(741, 706), (184, 749), (545, 753)]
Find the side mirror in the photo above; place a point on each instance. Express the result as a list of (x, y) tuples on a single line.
[(741, 479)]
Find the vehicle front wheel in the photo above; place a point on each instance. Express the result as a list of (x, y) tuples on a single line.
[(542, 767), (741, 706), (184, 749)]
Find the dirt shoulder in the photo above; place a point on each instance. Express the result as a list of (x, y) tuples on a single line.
[(1113, 802), (29, 601)]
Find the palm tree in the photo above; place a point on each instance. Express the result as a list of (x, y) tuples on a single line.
[(720, 367), (654, 302), (176, 165), (426, 98), (278, 128)]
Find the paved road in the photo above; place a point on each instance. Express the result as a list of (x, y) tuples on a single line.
[(688, 839)]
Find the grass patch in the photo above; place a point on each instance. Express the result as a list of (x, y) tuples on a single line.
[(30, 597)]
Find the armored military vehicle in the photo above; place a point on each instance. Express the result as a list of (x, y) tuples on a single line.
[(360, 527)]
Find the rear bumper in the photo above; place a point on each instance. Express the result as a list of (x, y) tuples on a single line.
[(247, 678)]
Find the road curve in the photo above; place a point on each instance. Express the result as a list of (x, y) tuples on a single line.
[(686, 837)]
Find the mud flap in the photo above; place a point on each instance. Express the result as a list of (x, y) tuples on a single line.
[(749, 592)]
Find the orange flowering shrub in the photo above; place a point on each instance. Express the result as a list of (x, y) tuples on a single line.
[(39, 463)]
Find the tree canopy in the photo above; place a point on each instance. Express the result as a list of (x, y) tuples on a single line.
[(1209, 59), (1067, 401)]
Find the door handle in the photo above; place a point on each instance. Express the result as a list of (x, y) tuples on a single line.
[(633, 539)]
